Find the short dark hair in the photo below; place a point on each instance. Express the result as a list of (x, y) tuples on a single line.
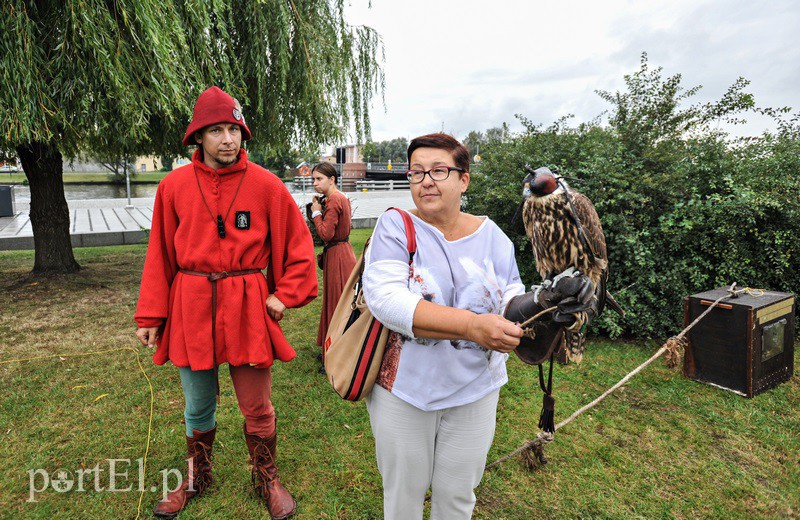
[(443, 142), (326, 169)]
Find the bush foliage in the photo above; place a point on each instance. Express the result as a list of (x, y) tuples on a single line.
[(685, 207)]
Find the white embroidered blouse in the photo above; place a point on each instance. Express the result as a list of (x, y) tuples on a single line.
[(477, 272)]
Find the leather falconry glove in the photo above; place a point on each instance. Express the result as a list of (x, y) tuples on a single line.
[(573, 294), (580, 307)]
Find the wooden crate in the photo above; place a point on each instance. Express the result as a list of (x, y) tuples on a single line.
[(745, 344)]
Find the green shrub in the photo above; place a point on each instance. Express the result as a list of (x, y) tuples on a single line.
[(684, 207)]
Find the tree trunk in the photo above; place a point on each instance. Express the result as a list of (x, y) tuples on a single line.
[(49, 211)]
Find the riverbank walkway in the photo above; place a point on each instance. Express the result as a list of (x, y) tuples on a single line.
[(105, 222)]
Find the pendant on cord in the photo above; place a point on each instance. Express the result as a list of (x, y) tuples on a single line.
[(220, 226)]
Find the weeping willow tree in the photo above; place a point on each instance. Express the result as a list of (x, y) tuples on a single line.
[(99, 76)]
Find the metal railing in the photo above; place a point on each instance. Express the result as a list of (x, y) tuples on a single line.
[(384, 167), (303, 183), (370, 185), (348, 185)]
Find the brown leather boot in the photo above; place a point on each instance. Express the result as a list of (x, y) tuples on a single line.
[(265, 475), (198, 477)]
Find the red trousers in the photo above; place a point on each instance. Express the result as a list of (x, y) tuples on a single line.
[(253, 387)]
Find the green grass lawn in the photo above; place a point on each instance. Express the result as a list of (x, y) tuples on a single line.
[(661, 447)]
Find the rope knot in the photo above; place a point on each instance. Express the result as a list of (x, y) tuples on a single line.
[(545, 437), (674, 346)]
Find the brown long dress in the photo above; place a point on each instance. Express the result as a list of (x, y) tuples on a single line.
[(339, 259)]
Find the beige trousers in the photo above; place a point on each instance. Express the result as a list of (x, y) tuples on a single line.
[(443, 450)]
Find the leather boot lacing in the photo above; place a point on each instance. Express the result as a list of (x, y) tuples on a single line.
[(265, 471), (200, 474)]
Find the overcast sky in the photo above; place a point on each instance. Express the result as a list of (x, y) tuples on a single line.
[(470, 65)]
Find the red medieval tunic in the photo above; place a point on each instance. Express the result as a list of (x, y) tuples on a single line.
[(339, 259), (264, 230)]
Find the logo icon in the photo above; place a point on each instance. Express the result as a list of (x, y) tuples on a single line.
[(242, 220), (63, 481)]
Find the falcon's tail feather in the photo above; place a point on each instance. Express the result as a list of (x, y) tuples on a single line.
[(571, 349), (613, 305)]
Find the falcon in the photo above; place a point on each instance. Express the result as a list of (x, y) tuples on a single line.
[(565, 232)]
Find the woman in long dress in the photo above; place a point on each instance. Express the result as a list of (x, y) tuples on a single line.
[(333, 226)]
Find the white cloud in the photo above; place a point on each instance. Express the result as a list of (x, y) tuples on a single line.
[(471, 65)]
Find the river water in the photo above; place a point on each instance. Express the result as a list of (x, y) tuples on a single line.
[(22, 194)]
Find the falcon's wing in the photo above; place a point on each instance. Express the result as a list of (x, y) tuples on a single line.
[(593, 231), (590, 222)]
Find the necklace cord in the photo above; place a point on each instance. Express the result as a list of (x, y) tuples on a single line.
[(220, 223)]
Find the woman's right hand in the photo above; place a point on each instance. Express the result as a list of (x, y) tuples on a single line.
[(494, 332)]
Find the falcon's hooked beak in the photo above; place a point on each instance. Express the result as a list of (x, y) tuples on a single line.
[(527, 182), (526, 194)]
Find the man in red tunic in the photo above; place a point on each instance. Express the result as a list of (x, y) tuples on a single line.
[(204, 300)]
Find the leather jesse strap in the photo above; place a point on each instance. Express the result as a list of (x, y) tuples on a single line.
[(213, 277)]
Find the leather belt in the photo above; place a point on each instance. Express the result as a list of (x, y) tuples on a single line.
[(213, 277), (332, 243)]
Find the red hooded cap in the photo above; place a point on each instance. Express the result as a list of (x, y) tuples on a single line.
[(215, 106)]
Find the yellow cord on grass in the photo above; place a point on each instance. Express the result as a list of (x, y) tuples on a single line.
[(149, 384)]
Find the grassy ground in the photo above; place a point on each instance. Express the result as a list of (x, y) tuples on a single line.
[(86, 178), (663, 446)]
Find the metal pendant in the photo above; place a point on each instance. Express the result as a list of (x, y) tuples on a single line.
[(220, 226)]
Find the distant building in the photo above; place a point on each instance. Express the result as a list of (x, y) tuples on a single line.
[(349, 160), (150, 163), (357, 170), (147, 164), (350, 153)]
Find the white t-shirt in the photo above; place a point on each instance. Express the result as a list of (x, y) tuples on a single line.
[(477, 272)]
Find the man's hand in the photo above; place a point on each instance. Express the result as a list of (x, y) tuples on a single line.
[(494, 332), (275, 307), (147, 336)]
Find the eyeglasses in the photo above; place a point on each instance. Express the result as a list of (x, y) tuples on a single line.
[(439, 173)]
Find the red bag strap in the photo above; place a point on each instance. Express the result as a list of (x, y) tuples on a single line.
[(411, 233)]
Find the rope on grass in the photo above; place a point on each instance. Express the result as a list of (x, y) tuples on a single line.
[(543, 439), (533, 451), (149, 384)]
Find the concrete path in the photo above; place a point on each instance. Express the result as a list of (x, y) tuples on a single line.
[(103, 222)]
